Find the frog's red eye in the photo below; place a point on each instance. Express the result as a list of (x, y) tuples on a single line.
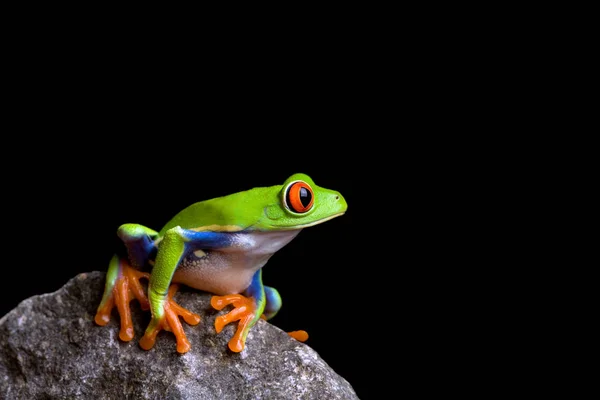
[(299, 197)]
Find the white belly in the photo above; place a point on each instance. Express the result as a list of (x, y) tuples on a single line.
[(230, 270)]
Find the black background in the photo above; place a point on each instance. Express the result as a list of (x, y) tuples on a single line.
[(380, 290), (90, 145), (67, 197), (99, 132)]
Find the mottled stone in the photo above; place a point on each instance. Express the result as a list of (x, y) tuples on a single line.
[(50, 348)]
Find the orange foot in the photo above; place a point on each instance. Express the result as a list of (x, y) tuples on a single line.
[(127, 287), (170, 322), (244, 311), (301, 336)]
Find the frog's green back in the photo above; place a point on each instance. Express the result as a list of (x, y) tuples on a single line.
[(234, 212)]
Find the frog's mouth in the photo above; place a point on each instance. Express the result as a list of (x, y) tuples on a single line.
[(322, 220), (317, 222)]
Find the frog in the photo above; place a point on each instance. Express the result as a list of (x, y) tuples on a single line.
[(218, 246)]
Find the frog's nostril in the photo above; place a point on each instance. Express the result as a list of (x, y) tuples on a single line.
[(337, 197)]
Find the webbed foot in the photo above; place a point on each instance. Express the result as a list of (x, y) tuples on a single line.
[(244, 311), (122, 286), (170, 322)]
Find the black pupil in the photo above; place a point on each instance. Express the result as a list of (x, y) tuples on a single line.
[(305, 196)]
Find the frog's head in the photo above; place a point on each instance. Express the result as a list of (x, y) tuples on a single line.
[(300, 203)]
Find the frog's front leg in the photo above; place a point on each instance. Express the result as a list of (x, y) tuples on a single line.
[(123, 281), (176, 244)]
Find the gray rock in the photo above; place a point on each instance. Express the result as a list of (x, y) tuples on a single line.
[(50, 348)]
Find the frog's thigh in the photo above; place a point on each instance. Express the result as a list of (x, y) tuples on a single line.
[(273, 302), (139, 242)]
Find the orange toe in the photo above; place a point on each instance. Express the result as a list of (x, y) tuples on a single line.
[(149, 339), (135, 287), (301, 336), (171, 323), (103, 315)]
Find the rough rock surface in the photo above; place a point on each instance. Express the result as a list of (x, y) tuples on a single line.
[(50, 348)]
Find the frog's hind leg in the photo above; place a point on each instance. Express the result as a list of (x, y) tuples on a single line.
[(122, 285), (139, 241), (273, 302), (123, 281), (272, 307)]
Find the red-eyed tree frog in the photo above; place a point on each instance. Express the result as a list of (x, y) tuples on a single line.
[(218, 246)]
